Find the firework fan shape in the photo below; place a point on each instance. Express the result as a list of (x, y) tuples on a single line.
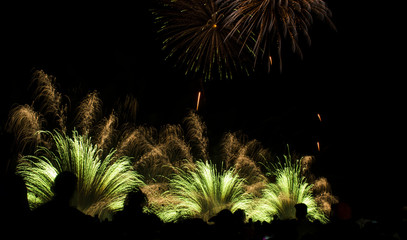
[(103, 183), (196, 34), (291, 186), (170, 165), (203, 192), (274, 22)]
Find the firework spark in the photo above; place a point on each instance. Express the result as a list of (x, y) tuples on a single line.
[(196, 136), (195, 32), (88, 111), (319, 117), (106, 132), (246, 157), (179, 178), (49, 98), (25, 123), (198, 100), (203, 192), (48, 112), (274, 21), (102, 183), (290, 187)]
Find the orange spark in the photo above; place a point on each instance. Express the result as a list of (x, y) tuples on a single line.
[(319, 148), (215, 26), (197, 102), (271, 60), (319, 117)]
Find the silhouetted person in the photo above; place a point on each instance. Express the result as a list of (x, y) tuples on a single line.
[(58, 218), (301, 211), (305, 228), (226, 226), (132, 222)]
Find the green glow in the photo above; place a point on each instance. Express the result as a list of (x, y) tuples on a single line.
[(289, 188), (102, 183), (202, 192)]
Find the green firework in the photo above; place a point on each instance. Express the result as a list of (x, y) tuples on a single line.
[(289, 188), (203, 192), (102, 183)]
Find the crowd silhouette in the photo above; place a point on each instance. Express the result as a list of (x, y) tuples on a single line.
[(58, 218)]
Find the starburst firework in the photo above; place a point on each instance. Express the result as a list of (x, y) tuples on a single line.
[(195, 32), (274, 22)]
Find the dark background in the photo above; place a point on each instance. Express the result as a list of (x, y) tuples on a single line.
[(354, 77)]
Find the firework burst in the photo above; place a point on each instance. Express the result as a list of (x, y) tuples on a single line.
[(203, 192), (25, 124), (50, 101), (179, 177), (88, 111), (49, 111), (274, 22), (195, 32), (290, 187), (102, 183), (246, 157)]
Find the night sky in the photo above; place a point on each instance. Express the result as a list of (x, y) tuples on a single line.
[(352, 76)]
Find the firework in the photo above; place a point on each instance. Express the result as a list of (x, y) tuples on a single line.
[(319, 117), (156, 153), (203, 192), (49, 99), (195, 32), (178, 175), (106, 132), (88, 111), (25, 124), (196, 136), (246, 157), (198, 100), (25, 121), (289, 188), (274, 22), (48, 112), (102, 183)]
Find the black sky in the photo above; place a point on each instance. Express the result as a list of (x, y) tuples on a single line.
[(352, 76)]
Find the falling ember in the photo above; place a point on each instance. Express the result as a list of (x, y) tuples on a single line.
[(271, 60), (197, 102), (319, 117), (215, 26), (319, 148)]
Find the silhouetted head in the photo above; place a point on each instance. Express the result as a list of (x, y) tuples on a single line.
[(64, 185), (223, 217), (240, 215), (135, 200), (300, 211)]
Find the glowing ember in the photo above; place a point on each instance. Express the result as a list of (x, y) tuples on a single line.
[(198, 100)]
